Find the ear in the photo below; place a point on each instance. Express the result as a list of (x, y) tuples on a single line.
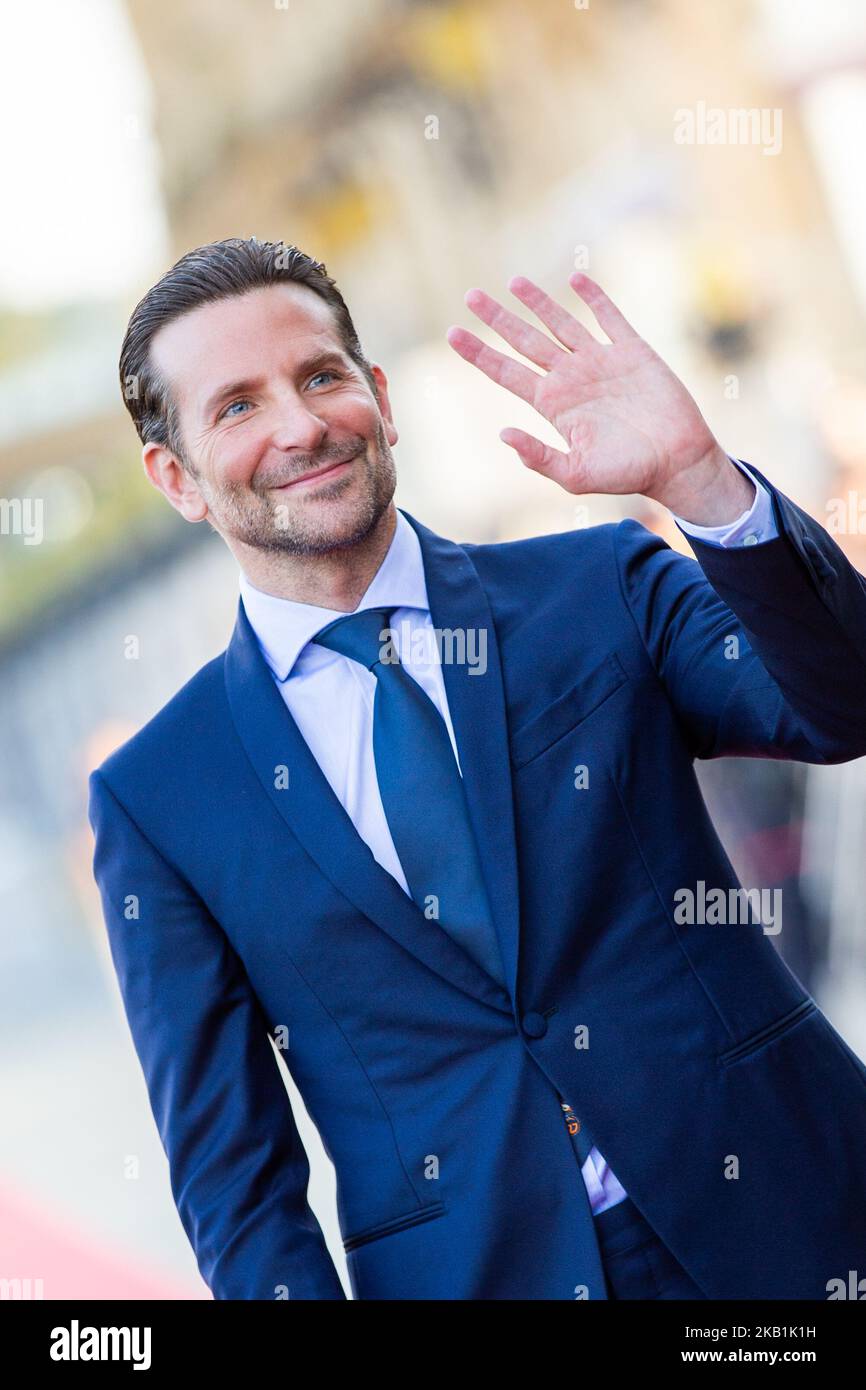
[(168, 475), (384, 404)]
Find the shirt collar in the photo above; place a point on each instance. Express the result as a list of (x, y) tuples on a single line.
[(283, 627)]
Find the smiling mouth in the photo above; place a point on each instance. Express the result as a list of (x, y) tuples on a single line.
[(328, 471)]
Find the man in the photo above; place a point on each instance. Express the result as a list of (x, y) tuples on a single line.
[(431, 822)]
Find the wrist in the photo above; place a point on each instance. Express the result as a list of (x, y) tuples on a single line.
[(711, 492)]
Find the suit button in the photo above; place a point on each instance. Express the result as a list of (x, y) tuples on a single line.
[(534, 1025), (823, 568)]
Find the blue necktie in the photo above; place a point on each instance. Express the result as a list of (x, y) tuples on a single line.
[(421, 789)]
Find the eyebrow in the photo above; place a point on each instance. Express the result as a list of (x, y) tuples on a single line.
[(231, 388)]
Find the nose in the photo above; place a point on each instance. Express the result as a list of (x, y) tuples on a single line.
[(295, 425)]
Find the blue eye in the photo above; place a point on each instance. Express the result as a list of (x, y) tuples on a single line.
[(243, 401)]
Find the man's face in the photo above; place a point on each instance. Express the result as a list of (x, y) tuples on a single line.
[(267, 396)]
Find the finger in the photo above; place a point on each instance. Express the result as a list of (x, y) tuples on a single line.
[(541, 458), (615, 324), (521, 335), (501, 369), (566, 327)]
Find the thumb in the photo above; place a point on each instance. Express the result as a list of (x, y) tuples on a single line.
[(541, 458)]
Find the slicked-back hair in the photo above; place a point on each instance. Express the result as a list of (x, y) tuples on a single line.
[(219, 270)]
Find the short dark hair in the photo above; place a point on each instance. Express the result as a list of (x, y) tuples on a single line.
[(219, 270)]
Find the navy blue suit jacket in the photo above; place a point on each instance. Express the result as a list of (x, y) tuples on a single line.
[(728, 1106)]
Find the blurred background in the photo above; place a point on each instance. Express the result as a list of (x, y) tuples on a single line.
[(706, 163)]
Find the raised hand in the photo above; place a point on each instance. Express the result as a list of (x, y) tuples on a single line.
[(628, 421)]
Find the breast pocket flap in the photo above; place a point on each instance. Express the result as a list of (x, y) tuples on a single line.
[(565, 713)]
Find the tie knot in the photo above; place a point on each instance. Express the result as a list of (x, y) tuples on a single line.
[(358, 635)]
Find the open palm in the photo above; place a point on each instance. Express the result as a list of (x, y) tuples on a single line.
[(628, 421)]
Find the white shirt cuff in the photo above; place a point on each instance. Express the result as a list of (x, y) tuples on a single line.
[(755, 525)]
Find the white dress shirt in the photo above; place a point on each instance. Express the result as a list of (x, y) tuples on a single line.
[(330, 696)]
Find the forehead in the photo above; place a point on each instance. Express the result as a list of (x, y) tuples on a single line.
[(235, 337)]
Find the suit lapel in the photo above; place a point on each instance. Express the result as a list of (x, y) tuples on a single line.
[(324, 828), (477, 707)]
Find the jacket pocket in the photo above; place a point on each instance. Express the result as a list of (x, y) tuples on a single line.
[(565, 713), (770, 1033), (397, 1223)]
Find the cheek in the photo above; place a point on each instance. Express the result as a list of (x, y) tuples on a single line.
[(358, 416), (235, 457)]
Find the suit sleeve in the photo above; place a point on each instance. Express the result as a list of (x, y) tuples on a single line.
[(238, 1168), (761, 648)]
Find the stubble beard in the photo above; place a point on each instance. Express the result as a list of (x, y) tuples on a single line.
[(265, 524)]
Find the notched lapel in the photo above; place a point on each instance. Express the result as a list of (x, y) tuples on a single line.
[(315, 816)]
